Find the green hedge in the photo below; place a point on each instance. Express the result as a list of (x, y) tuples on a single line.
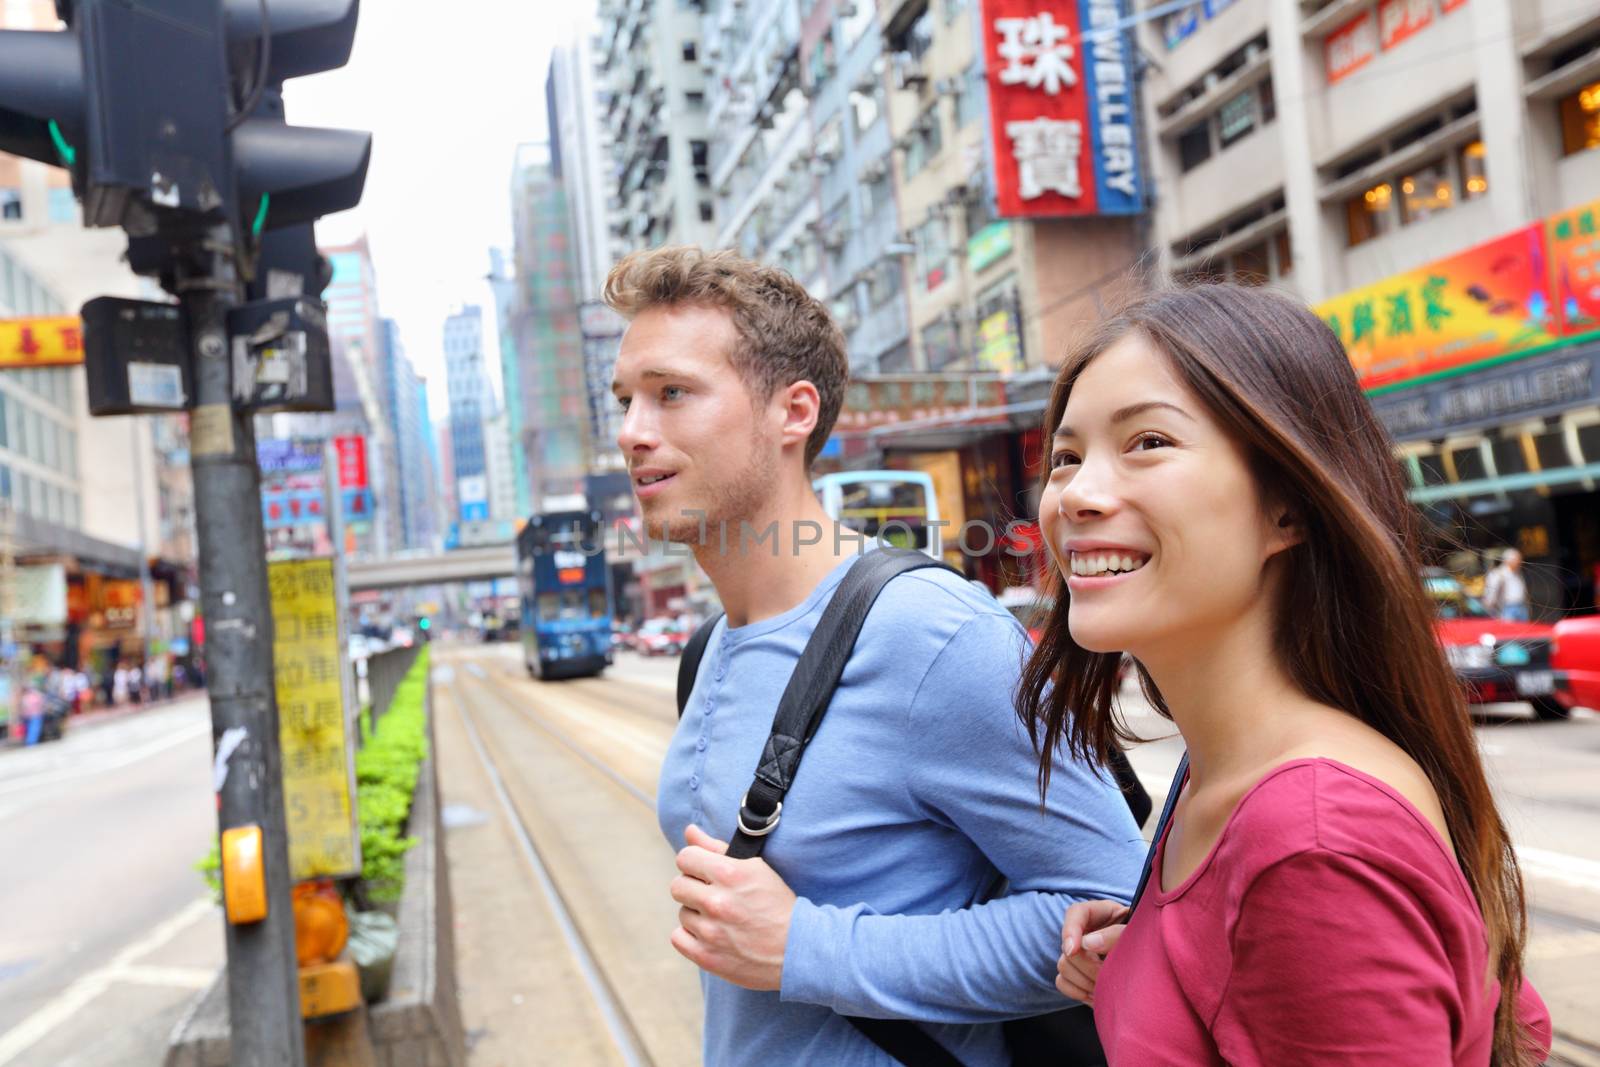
[(386, 778)]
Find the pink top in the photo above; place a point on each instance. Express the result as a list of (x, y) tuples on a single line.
[(1330, 924)]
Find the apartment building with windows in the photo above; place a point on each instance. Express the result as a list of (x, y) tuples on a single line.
[(655, 116), (1425, 174)]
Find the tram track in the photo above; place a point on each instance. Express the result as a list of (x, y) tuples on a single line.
[(614, 936)]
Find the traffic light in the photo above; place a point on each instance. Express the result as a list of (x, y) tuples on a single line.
[(169, 114)]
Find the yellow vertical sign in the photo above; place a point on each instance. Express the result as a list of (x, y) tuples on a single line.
[(317, 768)]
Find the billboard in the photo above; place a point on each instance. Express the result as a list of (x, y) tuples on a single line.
[(56, 341), (1061, 118), (318, 770), (352, 450), (1523, 292)]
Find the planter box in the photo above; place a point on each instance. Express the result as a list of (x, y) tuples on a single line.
[(419, 1023)]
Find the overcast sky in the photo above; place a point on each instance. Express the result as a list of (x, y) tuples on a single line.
[(448, 93)]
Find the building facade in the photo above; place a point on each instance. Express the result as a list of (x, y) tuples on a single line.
[(545, 364), (470, 404), (1425, 175), (415, 488), (355, 327), (655, 115)]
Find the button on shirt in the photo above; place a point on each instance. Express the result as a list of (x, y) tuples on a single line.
[(915, 802)]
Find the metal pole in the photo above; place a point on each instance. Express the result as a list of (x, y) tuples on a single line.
[(263, 980), (147, 607)]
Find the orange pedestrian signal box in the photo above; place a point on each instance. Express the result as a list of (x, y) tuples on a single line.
[(244, 875), (53, 341)]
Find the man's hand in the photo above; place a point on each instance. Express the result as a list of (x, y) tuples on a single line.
[(734, 919), (1088, 934)]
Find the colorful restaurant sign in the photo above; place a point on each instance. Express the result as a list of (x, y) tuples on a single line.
[(1061, 108), (1509, 297)]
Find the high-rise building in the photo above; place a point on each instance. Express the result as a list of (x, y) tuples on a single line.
[(414, 488), (355, 324), (656, 117), (470, 404), (1425, 175), (581, 161), (498, 467), (544, 365)]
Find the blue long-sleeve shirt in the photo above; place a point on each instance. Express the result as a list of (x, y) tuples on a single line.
[(915, 801)]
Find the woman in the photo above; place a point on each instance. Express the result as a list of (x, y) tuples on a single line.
[(1335, 885)]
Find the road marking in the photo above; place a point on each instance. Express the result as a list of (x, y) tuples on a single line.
[(90, 770), (1574, 871), (83, 991), (179, 977)]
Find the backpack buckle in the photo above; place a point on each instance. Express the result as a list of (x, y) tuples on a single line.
[(769, 823)]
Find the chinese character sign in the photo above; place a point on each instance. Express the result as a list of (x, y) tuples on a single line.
[(1061, 108), (1487, 302), (1573, 238), (318, 772), (49, 342), (352, 451)]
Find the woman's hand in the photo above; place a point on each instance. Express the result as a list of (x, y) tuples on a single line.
[(1090, 932)]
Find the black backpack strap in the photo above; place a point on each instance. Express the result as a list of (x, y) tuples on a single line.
[(907, 1042), (1161, 828), (805, 700), (689, 663), (1133, 790)]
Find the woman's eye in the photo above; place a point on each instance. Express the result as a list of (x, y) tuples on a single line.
[(672, 392), (622, 402), (1146, 441), (1062, 459)]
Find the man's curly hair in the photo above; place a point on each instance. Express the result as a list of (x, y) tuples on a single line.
[(785, 333)]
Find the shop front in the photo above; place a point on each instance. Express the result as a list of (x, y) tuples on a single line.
[(1485, 368)]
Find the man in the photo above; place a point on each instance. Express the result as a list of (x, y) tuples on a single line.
[(1505, 591), (877, 893)]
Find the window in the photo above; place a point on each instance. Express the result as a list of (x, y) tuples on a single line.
[(932, 239), (1425, 192), (883, 282), (695, 101), (10, 203), (1580, 120), (864, 106), (1368, 213), (970, 97), (1474, 173), (1285, 253), (1251, 265), (706, 214), (941, 342), (1236, 117), (689, 54), (1194, 146), (926, 138)]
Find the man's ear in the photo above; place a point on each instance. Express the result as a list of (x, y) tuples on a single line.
[(802, 406)]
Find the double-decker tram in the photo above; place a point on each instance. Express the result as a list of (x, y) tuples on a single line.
[(563, 582), (898, 508)]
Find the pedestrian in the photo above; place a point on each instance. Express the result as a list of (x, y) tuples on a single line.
[(1505, 591), (33, 706), (875, 893), (119, 685), (1335, 885)]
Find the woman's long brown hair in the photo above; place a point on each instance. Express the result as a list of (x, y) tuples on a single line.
[(1355, 628)]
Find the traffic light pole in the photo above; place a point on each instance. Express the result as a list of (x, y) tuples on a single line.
[(263, 982)]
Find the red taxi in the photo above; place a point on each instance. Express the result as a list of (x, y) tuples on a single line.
[(1576, 659), (1496, 659)]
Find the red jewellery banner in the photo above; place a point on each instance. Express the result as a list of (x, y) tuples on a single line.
[(1060, 107), (352, 450)]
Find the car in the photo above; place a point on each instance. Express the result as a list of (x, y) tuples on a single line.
[(1575, 656), (660, 636), (1495, 659)]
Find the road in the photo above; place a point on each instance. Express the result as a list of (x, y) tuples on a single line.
[(558, 872), (105, 932)]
